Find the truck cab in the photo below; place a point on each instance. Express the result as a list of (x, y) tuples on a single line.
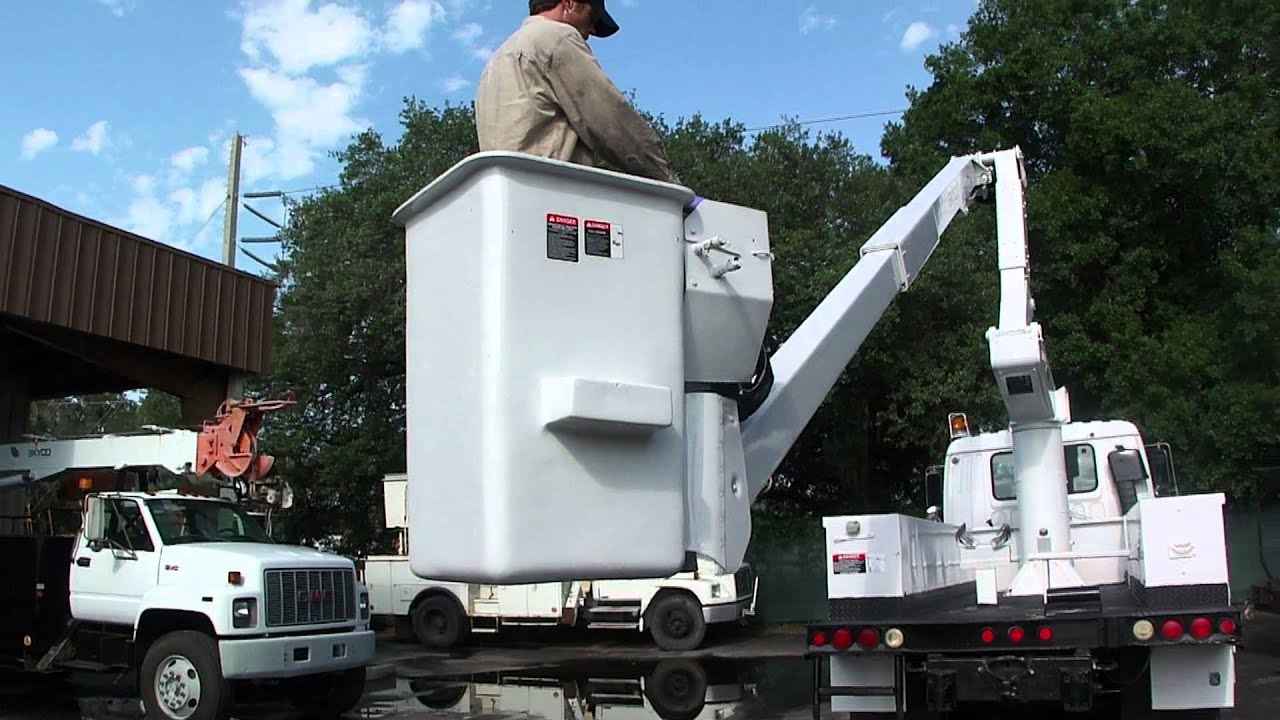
[(1109, 467), (191, 593)]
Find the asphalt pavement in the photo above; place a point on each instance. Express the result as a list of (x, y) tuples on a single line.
[(739, 672)]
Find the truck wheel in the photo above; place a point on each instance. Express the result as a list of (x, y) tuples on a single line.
[(438, 622), (329, 695), (675, 621), (181, 679)]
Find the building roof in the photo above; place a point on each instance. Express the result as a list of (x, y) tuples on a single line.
[(61, 271)]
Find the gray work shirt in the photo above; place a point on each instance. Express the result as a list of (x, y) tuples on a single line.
[(544, 93)]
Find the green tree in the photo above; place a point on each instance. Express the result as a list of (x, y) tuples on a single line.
[(1150, 132)]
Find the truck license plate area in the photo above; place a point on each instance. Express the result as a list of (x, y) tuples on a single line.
[(1008, 678)]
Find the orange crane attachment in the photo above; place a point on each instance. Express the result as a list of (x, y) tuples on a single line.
[(229, 443)]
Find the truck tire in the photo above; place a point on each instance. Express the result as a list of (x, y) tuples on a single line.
[(329, 695), (675, 621), (181, 679), (439, 622)]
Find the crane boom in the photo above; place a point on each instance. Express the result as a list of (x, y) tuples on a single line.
[(808, 364)]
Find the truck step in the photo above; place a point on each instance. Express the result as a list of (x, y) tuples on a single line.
[(87, 666), (611, 625)]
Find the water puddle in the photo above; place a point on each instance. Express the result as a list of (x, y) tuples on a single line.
[(671, 689)]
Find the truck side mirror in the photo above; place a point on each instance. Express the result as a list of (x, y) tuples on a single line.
[(95, 521), (1129, 474), (1163, 475), (933, 492)]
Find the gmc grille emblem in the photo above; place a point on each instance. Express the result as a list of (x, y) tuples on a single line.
[(305, 597)]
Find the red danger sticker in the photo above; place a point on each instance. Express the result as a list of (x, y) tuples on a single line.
[(562, 237), (848, 563), (597, 238)]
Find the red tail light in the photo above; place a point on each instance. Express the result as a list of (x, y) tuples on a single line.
[(1016, 634), (988, 636), (1201, 628), (819, 638), (1227, 626), (1172, 629), (868, 639), (1045, 634), (841, 639)]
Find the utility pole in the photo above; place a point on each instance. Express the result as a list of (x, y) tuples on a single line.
[(233, 203), (235, 381)]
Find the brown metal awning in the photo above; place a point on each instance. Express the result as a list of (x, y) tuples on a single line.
[(87, 308), (67, 271)]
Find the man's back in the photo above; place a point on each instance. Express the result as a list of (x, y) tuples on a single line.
[(544, 93)]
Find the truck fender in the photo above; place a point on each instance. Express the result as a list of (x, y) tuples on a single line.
[(154, 622)]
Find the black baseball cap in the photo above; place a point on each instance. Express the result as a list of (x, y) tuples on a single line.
[(605, 24)]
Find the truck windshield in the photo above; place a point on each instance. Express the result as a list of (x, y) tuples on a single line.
[(197, 521)]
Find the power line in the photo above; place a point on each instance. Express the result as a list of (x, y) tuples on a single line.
[(207, 220), (835, 118)]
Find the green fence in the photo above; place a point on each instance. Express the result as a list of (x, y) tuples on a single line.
[(793, 585)]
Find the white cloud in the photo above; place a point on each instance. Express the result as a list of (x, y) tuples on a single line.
[(298, 38), (468, 36), (187, 159), (195, 205), (37, 141), (454, 83), (93, 140), (469, 33), (306, 109), (146, 215), (917, 33), (118, 7), (408, 23), (811, 20)]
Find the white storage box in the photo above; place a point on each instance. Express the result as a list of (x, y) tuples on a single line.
[(545, 381)]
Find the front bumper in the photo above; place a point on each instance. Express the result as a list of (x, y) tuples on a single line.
[(293, 656), (747, 585)]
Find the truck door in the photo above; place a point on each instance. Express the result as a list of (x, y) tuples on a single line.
[(107, 583)]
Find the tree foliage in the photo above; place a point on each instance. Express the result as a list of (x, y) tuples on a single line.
[(1150, 132), (1150, 136)]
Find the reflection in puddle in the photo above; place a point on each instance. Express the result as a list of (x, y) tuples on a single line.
[(671, 689), (676, 689)]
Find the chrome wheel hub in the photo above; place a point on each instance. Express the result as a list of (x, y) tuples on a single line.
[(178, 687)]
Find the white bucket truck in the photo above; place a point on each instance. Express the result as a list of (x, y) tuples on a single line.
[(675, 610), (185, 590), (585, 383)]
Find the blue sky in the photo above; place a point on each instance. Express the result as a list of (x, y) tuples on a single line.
[(123, 110)]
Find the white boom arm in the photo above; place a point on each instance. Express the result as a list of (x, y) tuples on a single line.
[(567, 413), (808, 364), (173, 450)]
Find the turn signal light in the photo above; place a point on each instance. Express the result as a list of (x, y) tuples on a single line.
[(235, 578), (1171, 630), (819, 638), (988, 636), (1201, 628), (1227, 626), (1045, 634), (842, 639)]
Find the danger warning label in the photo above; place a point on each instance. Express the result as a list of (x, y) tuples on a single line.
[(562, 237), (598, 238), (849, 563)]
